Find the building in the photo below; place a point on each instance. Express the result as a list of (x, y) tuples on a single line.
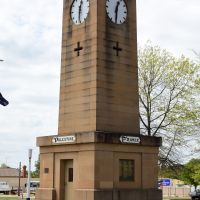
[(11, 176)]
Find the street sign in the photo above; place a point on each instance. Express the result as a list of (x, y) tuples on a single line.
[(165, 182), (63, 139), (130, 139)]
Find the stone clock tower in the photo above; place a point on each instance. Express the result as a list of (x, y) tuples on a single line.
[(98, 153)]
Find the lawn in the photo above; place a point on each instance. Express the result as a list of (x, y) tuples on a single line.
[(176, 198), (8, 197), (13, 197)]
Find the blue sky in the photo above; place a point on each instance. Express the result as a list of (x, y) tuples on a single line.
[(30, 44)]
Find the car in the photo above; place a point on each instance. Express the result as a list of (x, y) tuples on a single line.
[(195, 195), (33, 186), (4, 187)]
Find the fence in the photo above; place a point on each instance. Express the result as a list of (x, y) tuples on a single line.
[(175, 191)]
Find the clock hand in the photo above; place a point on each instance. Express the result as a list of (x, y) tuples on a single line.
[(80, 10), (116, 11)]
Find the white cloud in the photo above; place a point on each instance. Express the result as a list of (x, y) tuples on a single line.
[(172, 24), (30, 44)]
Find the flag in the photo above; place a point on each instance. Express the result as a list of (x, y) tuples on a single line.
[(3, 101)]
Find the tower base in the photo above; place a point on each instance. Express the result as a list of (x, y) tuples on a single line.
[(134, 194), (98, 166)]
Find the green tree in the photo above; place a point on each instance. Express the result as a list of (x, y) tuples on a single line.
[(191, 173), (173, 172), (167, 102), (3, 165), (36, 173)]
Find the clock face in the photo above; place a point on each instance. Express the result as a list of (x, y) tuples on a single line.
[(79, 11), (116, 10)]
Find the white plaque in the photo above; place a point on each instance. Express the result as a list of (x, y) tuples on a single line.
[(130, 139), (63, 139)]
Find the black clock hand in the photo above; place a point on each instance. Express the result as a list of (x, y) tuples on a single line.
[(80, 10), (116, 11)]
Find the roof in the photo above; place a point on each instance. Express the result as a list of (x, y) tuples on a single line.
[(9, 172)]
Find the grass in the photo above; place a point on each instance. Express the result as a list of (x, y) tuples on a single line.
[(13, 197), (177, 198), (6, 197)]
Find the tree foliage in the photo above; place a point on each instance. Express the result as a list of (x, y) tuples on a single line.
[(36, 173), (188, 173), (168, 108), (191, 172), (173, 172), (3, 165)]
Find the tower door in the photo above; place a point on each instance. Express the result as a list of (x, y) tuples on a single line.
[(69, 180)]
